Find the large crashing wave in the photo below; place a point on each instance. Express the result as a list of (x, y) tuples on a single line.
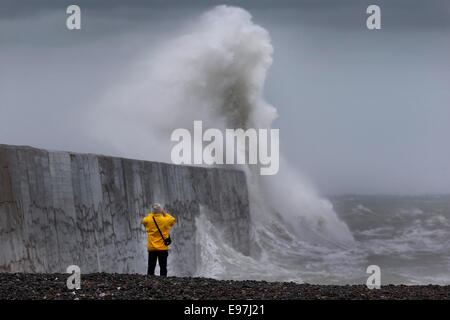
[(215, 72)]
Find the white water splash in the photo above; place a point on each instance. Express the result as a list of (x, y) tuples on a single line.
[(215, 72)]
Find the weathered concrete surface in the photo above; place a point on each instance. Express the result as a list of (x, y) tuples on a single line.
[(61, 208)]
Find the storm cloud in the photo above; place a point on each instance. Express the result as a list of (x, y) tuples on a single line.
[(359, 111)]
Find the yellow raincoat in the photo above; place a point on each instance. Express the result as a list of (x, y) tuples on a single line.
[(165, 223)]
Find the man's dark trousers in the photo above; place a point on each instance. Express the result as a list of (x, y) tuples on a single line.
[(161, 256)]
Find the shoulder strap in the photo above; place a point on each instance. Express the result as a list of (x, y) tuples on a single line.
[(158, 229)]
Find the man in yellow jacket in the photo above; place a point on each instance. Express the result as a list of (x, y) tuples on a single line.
[(158, 239)]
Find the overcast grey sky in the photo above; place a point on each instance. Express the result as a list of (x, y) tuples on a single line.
[(360, 111)]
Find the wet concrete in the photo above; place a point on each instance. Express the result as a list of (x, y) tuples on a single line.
[(63, 208)]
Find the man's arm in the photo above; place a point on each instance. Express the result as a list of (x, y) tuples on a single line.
[(144, 221), (172, 220)]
